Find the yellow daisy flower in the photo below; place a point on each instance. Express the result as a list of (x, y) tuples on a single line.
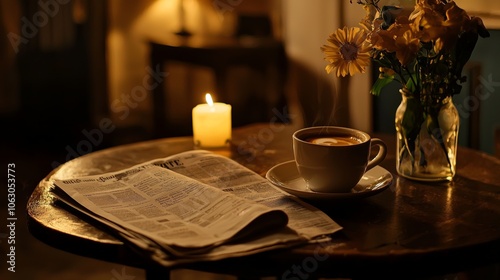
[(348, 51)]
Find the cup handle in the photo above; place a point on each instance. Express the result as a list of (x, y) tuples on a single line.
[(382, 152)]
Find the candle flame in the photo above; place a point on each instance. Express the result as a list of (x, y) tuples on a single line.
[(208, 97)]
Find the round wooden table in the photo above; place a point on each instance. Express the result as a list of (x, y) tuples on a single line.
[(412, 229)]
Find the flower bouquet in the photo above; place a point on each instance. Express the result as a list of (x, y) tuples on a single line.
[(425, 49)]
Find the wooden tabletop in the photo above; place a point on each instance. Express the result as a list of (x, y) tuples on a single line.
[(412, 228)]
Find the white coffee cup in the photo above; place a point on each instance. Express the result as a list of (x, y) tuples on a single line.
[(334, 159)]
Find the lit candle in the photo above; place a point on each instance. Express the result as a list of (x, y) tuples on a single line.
[(211, 124)]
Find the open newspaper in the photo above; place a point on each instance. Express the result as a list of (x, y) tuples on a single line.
[(194, 206)]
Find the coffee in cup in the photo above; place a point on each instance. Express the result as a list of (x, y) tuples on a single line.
[(334, 159), (332, 140)]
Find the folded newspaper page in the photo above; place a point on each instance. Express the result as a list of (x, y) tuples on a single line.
[(193, 206)]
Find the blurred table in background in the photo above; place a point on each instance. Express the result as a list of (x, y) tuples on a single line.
[(265, 55)]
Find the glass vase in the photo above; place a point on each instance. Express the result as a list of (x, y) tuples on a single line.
[(427, 138)]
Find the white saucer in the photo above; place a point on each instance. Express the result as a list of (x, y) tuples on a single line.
[(286, 177)]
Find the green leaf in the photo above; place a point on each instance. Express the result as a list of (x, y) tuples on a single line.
[(410, 84), (463, 50), (380, 84), (383, 62)]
